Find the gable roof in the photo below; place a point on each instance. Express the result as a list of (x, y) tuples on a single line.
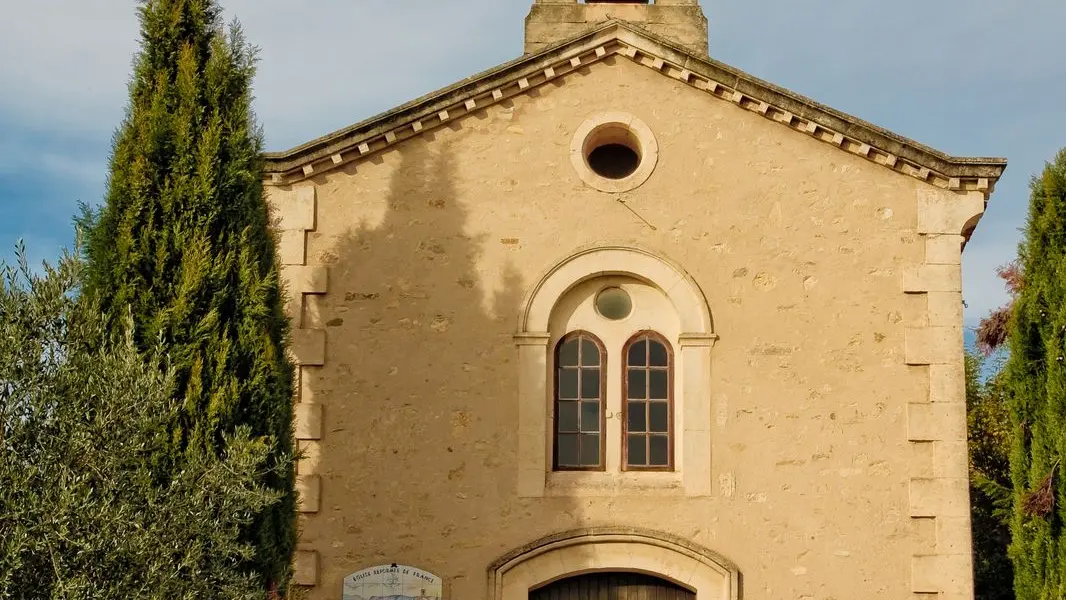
[(625, 39)]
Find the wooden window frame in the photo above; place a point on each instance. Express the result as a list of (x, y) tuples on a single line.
[(603, 402), (671, 438)]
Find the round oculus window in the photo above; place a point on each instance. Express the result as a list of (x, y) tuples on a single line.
[(614, 152), (614, 303)]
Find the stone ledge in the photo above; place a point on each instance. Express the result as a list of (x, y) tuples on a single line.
[(308, 419)]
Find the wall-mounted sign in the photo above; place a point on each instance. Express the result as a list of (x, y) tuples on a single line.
[(392, 582)]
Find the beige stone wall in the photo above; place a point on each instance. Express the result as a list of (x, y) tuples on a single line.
[(801, 250), (680, 21)]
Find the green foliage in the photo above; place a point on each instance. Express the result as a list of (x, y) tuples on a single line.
[(988, 424), (1036, 379), (83, 515), (183, 246)]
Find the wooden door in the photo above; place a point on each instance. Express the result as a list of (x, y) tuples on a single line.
[(612, 586)]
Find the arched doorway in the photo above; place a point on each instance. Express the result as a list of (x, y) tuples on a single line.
[(612, 586)]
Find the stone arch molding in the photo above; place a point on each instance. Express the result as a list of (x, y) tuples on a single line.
[(705, 572), (692, 474), (597, 261)]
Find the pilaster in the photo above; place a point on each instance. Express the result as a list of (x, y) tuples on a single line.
[(942, 561), (295, 210)]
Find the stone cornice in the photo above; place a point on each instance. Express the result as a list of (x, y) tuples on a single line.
[(620, 38)]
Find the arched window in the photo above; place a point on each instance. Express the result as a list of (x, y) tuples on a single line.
[(648, 409), (580, 415)]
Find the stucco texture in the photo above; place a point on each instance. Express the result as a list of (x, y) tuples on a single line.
[(797, 246)]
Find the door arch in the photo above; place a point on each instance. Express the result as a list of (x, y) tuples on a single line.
[(561, 556), (612, 585)]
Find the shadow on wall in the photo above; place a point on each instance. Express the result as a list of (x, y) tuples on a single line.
[(418, 456)]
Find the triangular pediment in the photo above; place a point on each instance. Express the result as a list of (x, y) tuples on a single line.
[(619, 38)]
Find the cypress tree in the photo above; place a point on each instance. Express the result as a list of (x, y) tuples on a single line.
[(183, 245), (1036, 376)]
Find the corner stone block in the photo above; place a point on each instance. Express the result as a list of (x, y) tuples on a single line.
[(936, 422), (308, 419), (305, 568), (309, 346), (945, 309), (943, 249), (305, 280), (945, 497), (296, 208), (291, 246), (953, 535), (932, 278), (947, 382), (932, 345), (947, 212), (949, 575), (309, 491)]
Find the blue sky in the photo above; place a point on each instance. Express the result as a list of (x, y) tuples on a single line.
[(969, 77)]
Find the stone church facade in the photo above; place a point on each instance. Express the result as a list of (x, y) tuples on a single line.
[(616, 314)]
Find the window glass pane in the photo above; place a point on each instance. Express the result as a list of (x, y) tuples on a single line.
[(568, 383), (566, 449), (657, 354), (568, 417), (658, 385), (590, 450), (590, 383), (638, 455), (635, 417), (638, 354), (590, 354), (590, 416), (660, 453), (659, 416), (568, 353), (637, 383)]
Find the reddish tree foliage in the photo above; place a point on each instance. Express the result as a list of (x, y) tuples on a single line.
[(992, 332)]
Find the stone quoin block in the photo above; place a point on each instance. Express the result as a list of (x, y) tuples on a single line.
[(308, 346), (947, 212), (942, 497), (295, 208), (308, 418), (932, 278), (945, 309), (947, 381), (305, 568), (939, 573), (291, 246), (309, 491), (935, 422), (943, 249), (932, 345), (305, 279)]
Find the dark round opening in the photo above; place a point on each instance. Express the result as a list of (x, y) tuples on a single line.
[(613, 161)]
